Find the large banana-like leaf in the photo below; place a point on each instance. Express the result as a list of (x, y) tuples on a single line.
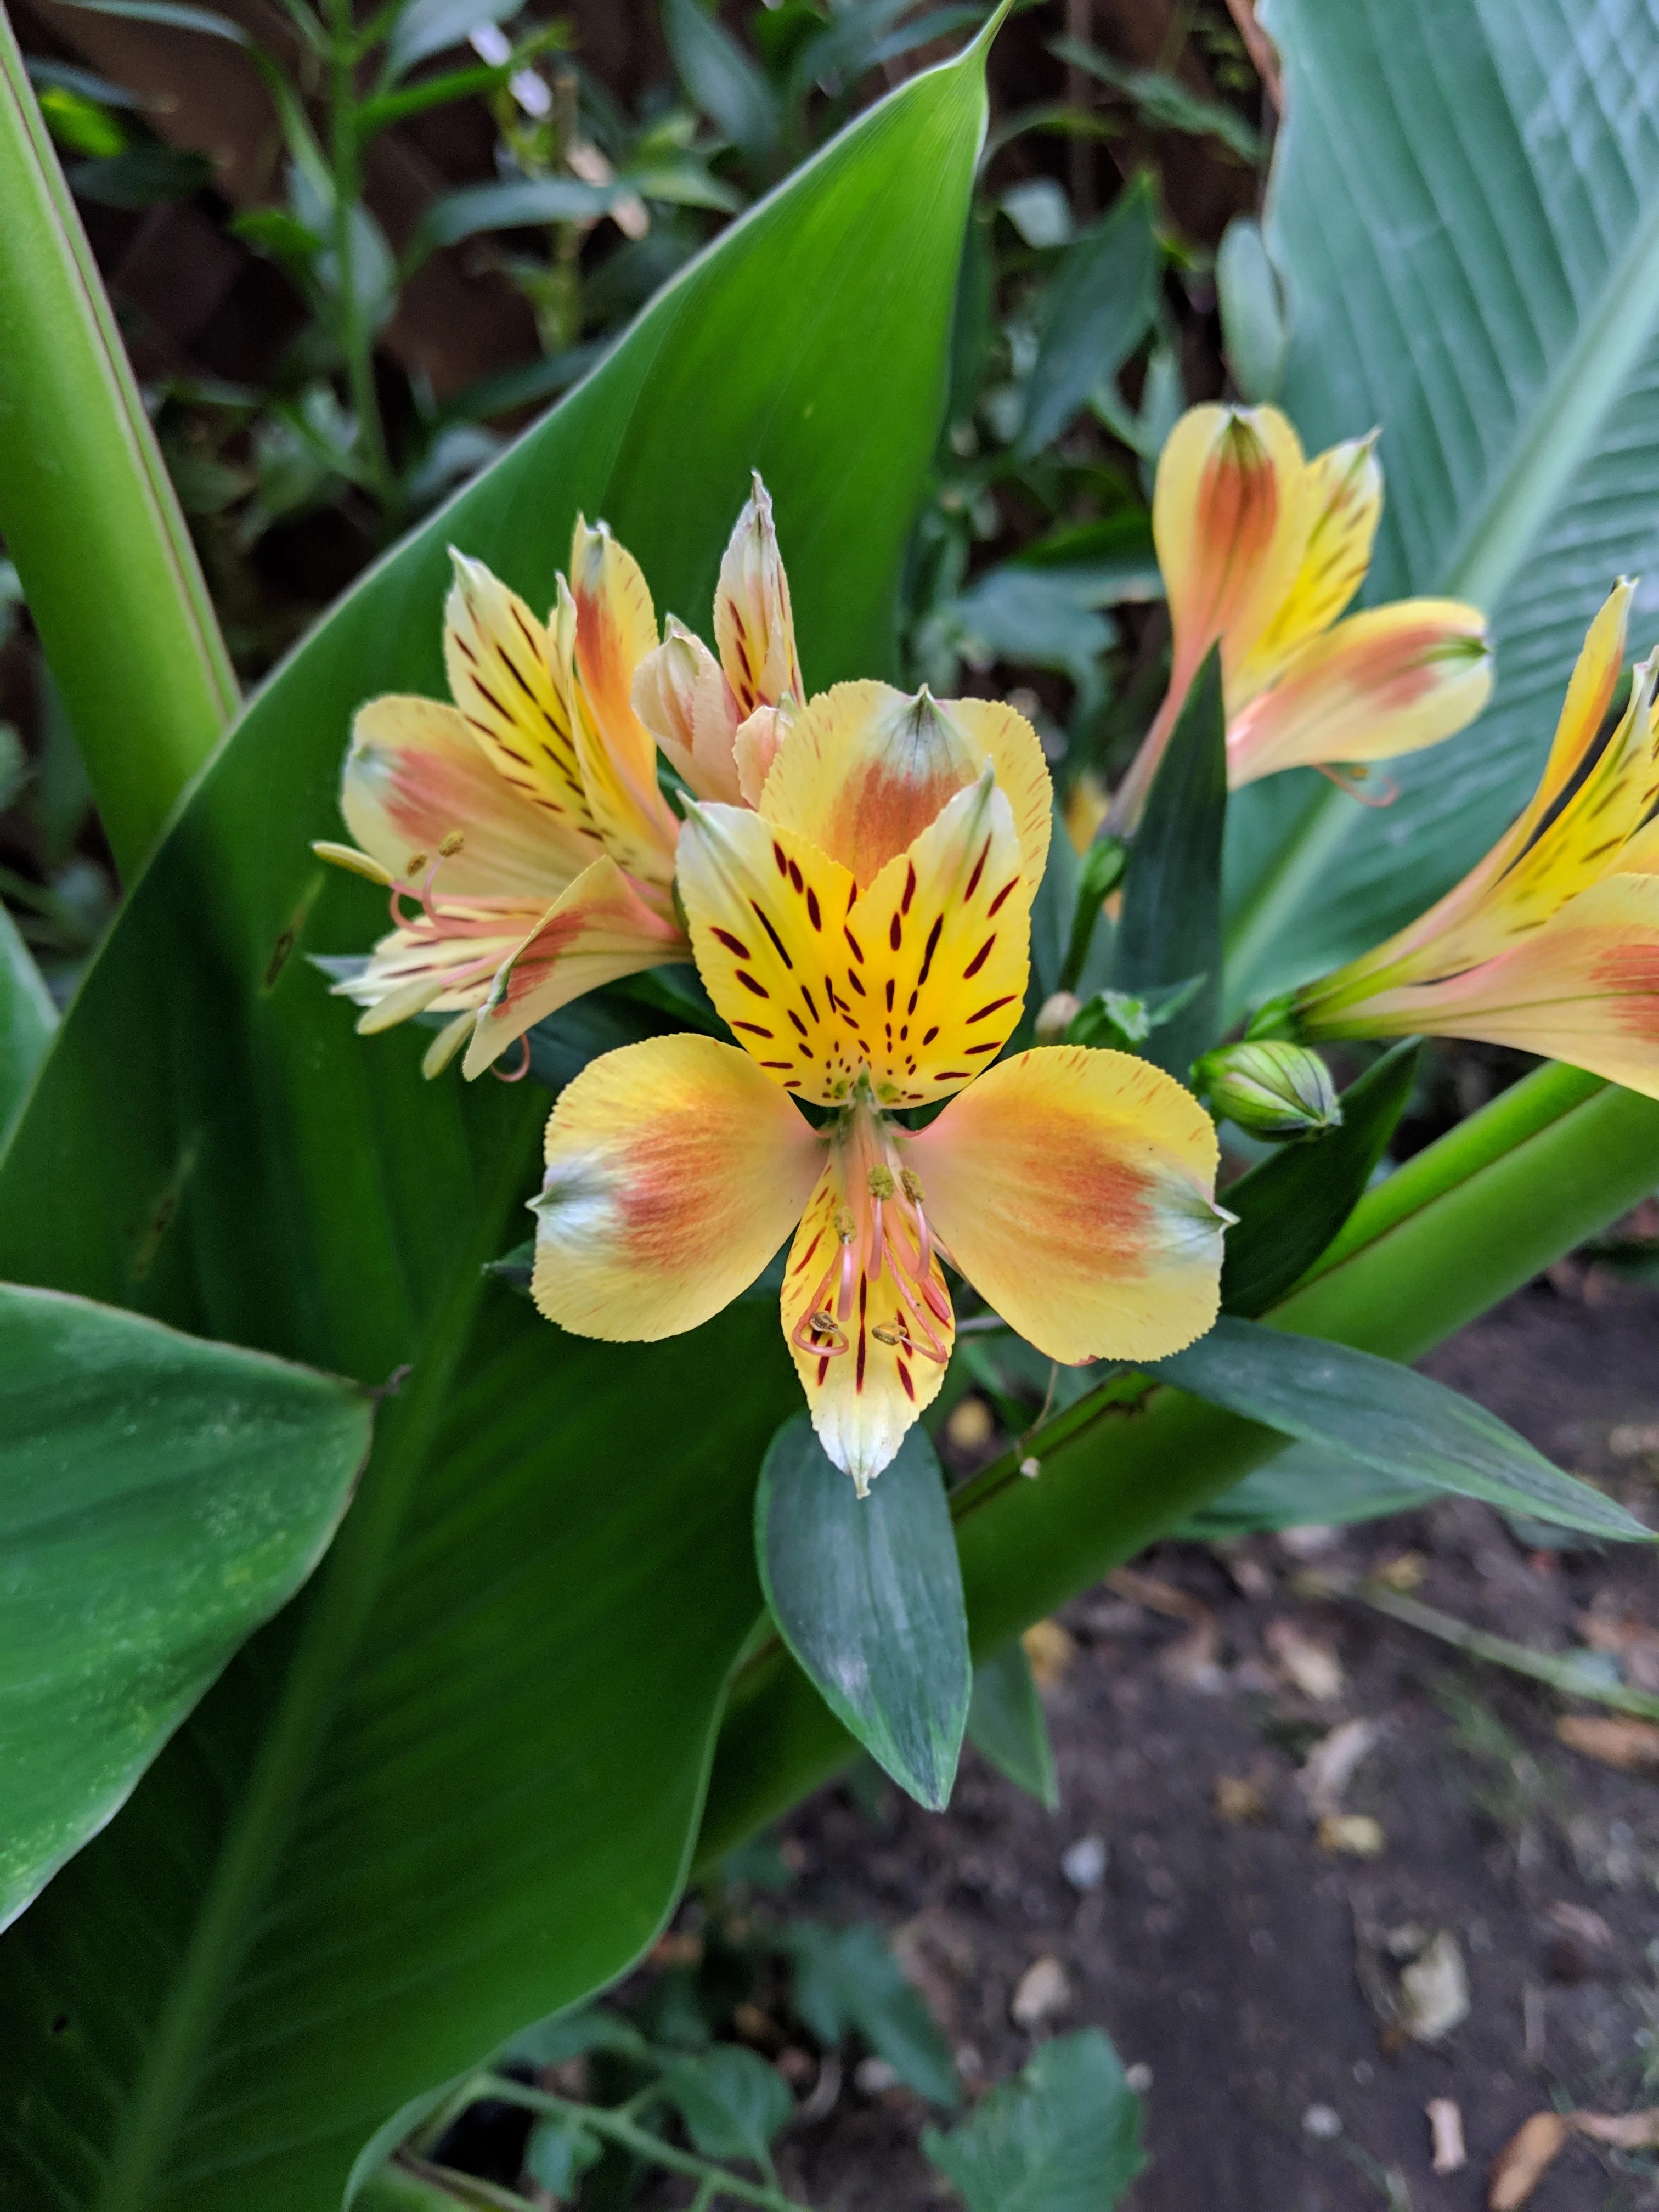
[(452, 1787), (1465, 206)]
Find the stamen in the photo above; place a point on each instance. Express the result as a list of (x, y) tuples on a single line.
[(450, 845), (520, 1070)]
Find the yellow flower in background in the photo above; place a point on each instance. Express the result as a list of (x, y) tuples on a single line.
[(1262, 549), (1551, 944), (865, 934), (527, 847)]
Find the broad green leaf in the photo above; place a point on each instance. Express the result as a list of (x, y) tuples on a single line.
[(28, 1018), (733, 2104), (847, 1980), (1005, 1721), (1389, 1418), (866, 1593), (1170, 929), (1063, 2137), (1465, 211), (453, 1789), (1097, 307), (1290, 1206), (160, 1498), (1255, 335), (1310, 1486)]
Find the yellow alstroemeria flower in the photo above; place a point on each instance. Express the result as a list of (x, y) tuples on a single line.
[(865, 934), (529, 851), (1263, 550), (1551, 943)]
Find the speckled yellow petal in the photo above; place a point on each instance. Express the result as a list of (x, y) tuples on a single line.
[(753, 626), (865, 769), (1231, 510), (607, 627), (600, 929), (1389, 681), (866, 1380), (1585, 988), (681, 695), (416, 779), (443, 970), (1590, 694), (675, 1171), (1073, 1189), (1345, 502), (921, 981), (499, 659)]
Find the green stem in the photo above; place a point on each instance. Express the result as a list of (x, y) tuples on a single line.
[(640, 2140), (1457, 1229), (86, 508), (356, 340)]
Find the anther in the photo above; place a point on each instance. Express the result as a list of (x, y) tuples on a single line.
[(414, 863), (450, 845), (845, 1226), (886, 1335), (911, 1183), (881, 1181)]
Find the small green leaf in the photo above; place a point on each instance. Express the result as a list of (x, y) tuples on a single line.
[(1389, 1417), (560, 2151), (512, 204), (1163, 101), (732, 2102), (1099, 306), (1255, 335), (847, 1980), (722, 80), (867, 1595), (1005, 1722), (1290, 1206), (571, 2035), (174, 15), (141, 177), (159, 1498), (1170, 925), (28, 1020), (433, 26), (1063, 2137)]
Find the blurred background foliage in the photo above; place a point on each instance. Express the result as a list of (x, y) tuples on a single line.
[(351, 253)]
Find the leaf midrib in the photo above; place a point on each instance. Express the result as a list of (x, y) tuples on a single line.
[(272, 1797)]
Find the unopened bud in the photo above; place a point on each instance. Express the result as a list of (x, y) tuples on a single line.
[(1056, 1016), (1273, 1090)]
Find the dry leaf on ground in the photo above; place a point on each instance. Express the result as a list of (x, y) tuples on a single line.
[(1434, 1990), (1618, 2131), (1049, 1650), (1631, 1746), (1330, 1766), (1307, 1664), (1043, 1994), (1446, 2135), (1352, 1835), (1524, 2160)]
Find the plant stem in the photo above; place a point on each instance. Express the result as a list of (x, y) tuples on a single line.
[(88, 512), (640, 2140), (356, 340)]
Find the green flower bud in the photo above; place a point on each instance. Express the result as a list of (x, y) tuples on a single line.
[(1273, 1091)]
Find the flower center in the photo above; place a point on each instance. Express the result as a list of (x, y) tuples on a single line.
[(881, 1224)]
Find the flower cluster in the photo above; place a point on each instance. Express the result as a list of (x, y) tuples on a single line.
[(853, 875)]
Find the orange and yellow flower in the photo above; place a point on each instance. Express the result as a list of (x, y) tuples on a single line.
[(1262, 549), (1551, 944), (521, 831), (864, 933)]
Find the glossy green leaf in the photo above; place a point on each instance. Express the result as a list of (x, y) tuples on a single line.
[(1389, 1418), (1063, 2137), (1169, 928), (1097, 307), (452, 1789), (1465, 208), (733, 2104), (1310, 1486), (559, 2152), (513, 204), (867, 1593), (1005, 1721), (1291, 1206), (160, 1498), (28, 1018), (847, 1981)]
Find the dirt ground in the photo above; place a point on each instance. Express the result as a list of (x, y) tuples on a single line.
[(1228, 1953)]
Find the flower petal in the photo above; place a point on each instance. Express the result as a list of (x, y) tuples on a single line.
[(412, 970), (606, 627), (868, 1383), (674, 1172), (1585, 988), (598, 930), (920, 982), (753, 626), (756, 747), (866, 769), (684, 699), (1389, 681), (1231, 510), (1073, 1188), (1344, 500), (501, 677), (415, 775)]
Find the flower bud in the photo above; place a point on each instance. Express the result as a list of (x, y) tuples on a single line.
[(1270, 1089), (1056, 1016)]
